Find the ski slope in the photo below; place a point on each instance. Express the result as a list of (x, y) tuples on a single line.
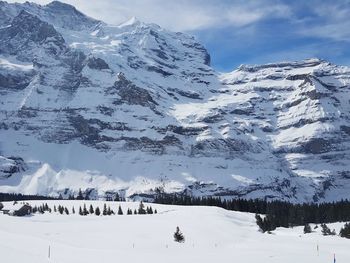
[(212, 235)]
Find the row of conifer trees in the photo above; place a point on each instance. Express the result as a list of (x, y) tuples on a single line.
[(326, 231), (278, 213), (83, 211)]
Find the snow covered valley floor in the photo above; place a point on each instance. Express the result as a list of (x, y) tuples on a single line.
[(211, 235)]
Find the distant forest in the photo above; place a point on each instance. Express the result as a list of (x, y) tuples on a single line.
[(278, 213), (20, 197)]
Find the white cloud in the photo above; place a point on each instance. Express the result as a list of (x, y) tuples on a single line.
[(331, 21), (181, 15)]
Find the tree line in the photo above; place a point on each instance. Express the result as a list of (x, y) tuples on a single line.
[(90, 210), (80, 196), (277, 213), (4, 197)]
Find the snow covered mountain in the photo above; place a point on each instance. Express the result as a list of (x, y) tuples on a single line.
[(137, 109)]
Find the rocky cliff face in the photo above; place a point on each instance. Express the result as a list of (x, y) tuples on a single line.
[(136, 109)]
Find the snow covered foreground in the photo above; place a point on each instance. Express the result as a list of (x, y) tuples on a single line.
[(212, 234)]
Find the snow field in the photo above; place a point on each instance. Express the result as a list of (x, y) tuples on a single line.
[(212, 234)]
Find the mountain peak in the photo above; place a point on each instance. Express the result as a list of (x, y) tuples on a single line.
[(130, 22), (66, 16), (61, 5), (27, 34)]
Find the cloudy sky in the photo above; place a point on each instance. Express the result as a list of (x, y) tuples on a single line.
[(242, 32)]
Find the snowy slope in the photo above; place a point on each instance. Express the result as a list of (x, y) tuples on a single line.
[(211, 234), (135, 109)]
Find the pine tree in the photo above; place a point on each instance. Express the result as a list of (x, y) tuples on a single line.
[(120, 211), (135, 212), (105, 212), (129, 211), (91, 209), (80, 195), (73, 210), (97, 211), (141, 210), (117, 197), (80, 211), (307, 229), (85, 211), (66, 211), (178, 236), (109, 211), (345, 231), (260, 222), (54, 209), (155, 211), (326, 231)]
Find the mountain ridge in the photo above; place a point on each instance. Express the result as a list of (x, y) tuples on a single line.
[(135, 109)]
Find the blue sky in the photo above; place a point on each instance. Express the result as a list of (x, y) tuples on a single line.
[(243, 32), (316, 29)]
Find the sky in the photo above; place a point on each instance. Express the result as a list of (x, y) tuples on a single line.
[(242, 32)]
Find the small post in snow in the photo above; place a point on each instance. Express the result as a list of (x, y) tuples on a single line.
[(334, 259), (49, 253), (318, 250)]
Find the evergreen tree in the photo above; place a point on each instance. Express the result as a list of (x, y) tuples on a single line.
[(326, 231), (66, 211), (73, 210), (54, 209), (345, 231), (141, 210), (105, 212), (120, 211), (129, 211), (80, 211), (116, 198), (109, 211), (91, 209), (85, 211), (307, 229), (178, 236), (135, 212), (155, 211), (80, 195), (97, 211)]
